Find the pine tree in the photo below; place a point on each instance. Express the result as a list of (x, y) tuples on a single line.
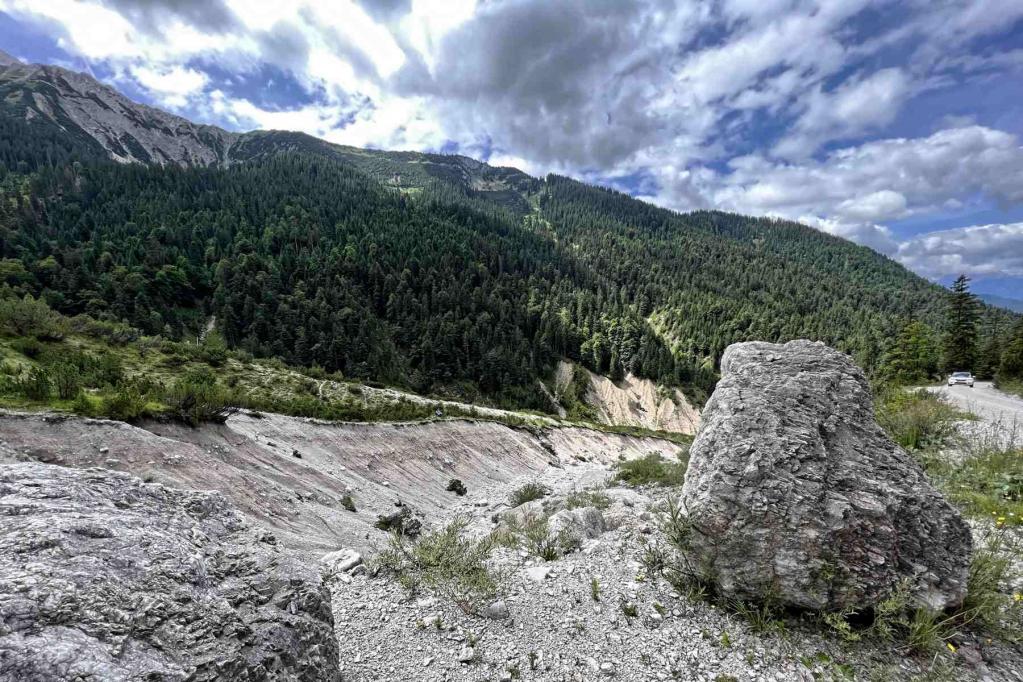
[(961, 333), (914, 357), (1011, 367), (990, 355)]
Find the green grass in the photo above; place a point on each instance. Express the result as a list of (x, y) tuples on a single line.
[(917, 420), (653, 470), (588, 498), (1012, 386), (988, 484)]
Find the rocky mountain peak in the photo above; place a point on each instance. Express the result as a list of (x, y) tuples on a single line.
[(126, 131)]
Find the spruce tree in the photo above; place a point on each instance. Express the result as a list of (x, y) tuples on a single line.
[(990, 352), (961, 332), (1011, 367), (914, 357)]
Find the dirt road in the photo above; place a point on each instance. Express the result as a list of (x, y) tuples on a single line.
[(985, 401)]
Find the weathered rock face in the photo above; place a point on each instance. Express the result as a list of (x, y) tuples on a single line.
[(796, 493), (104, 577)]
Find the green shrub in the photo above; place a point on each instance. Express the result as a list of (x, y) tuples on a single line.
[(651, 470), (453, 566), (29, 347), (85, 405), (66, 379), (916, 419), (990, 601), (30, 317), (214, 350), (126, 402), (527, 493), (36, 385), (196, 398)]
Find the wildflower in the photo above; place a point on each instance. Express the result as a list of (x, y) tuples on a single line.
[(1000, 521), (951, 647), (1017, 597)]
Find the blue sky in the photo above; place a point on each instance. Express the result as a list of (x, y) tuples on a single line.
[(895, 124)]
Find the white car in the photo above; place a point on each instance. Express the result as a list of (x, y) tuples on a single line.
[(961, 378)]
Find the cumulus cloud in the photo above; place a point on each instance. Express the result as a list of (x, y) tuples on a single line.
[(175, 85), (773, 107), (975, 250), (878, 180), (852, 108)]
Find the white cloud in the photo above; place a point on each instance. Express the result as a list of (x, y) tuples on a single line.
[(854, 107), (725, 104), (976, 250), (878, 180), (174, 86)]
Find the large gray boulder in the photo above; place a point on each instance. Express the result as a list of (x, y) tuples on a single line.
[(104, 577), (796, 494)]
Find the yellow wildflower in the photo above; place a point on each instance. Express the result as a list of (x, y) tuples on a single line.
[(951, 647), (1017, 597)]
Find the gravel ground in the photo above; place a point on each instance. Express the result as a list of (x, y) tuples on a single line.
[(555, 629)]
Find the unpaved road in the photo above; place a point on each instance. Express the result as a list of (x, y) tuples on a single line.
[(985, 401)]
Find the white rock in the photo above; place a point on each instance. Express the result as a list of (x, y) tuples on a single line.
[(466, 655), (341, 561), (537, 574)]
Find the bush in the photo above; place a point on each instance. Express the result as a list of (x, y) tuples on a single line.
[(67, 380), (916, 419), (457, 487), (126, 402), (30, 317), (588, 498), (85, 406), (214, 350), (444, 561), (527, 493), (28, 347), (196, 398), (651, 470), (36, 385)]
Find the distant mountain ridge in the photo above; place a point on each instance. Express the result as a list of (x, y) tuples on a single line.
[(126, 131), (1013, 304)]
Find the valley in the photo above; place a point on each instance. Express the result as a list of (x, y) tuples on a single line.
[(275, 408)]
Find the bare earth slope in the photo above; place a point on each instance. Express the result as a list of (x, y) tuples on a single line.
[(290, 474)]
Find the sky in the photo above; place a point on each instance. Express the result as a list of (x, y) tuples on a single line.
[(896, 124)]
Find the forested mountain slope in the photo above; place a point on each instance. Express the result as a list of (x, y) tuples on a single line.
[(435, 272)]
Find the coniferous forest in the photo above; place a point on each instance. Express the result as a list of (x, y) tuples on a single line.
[(322, 256)]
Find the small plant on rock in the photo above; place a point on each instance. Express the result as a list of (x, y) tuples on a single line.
[(446, 562), (348, 502), (528, 493), (588, 498)]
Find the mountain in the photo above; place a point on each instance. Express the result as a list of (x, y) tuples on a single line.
[(436, 272), (1013, 304)]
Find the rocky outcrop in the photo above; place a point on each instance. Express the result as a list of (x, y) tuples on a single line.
[(796, 493), (125, 130), (632, 401), (104, 577)]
